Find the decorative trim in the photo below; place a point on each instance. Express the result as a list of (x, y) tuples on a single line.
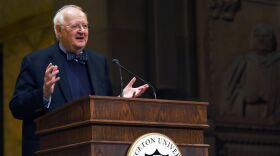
[(44, 151), (122, 123), (267, 2), (224, 9)]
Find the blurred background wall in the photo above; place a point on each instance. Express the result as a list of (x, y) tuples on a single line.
[(183, 47), (24, 26)]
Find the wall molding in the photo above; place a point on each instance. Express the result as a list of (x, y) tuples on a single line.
[(266, 2)]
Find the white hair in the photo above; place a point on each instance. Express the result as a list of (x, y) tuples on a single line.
[(59, 16)]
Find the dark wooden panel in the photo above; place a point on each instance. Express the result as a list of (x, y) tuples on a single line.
[(80, 126), (122, 134), (83, 150), (148, 112), (112, 149)]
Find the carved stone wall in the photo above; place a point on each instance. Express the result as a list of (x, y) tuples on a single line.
[(220, 42)]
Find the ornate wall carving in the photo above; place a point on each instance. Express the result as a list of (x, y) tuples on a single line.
[(222, 42), (224, 9)]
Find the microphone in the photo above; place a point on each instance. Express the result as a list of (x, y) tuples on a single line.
[(117, 62), (120, 71)]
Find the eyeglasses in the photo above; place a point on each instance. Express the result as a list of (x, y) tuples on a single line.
[(77, 26)]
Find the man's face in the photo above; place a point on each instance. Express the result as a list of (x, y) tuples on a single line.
[(73, 33)]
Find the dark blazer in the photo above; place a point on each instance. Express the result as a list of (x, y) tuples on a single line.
[(27, 101)]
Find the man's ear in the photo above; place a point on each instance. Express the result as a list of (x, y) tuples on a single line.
[(58, 30)]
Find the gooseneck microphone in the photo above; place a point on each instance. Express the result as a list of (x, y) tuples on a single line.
[(120, 72), (117, 62)]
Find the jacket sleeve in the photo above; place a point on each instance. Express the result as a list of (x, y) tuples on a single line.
[(27, 100)]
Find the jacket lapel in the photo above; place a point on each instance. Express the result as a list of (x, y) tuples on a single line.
[(93, 69), (63, 82)]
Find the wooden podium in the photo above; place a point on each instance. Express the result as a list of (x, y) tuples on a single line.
[(107, 126)]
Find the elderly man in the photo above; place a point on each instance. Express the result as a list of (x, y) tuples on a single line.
[(60, 73)]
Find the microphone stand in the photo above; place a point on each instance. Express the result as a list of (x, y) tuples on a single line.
[(121, 79)]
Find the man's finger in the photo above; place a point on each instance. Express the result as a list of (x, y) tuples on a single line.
[(49, 69), (142, 89), (134, 94), (53, 81), (49, 83), (49, 65), (145, 86), (54, 73), (132, 81)]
